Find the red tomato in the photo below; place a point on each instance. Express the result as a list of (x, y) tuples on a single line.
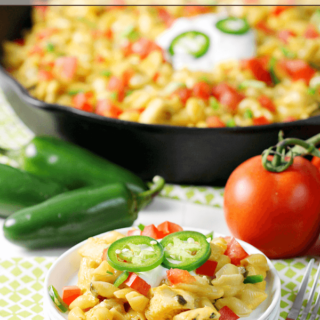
[(165, 16), (66, 67), (70, 293), (316, 162), (227, 314), (190, 11), (267, 103), (118, 85), (235, 252), (208, 268), (46, 33), (151, 231), (183, 93), (176, 276), (104, 254), (45, 75), (107, 108), (260, 121), (81, 101), (279, 9), (264, 27), (297, 69), (279, 213), (143, 47), (36, 49), (138, 284), (227, 96), (167, 227), (284, 35), (259, 70), (215, 122), (311, 32), (289, 119), (202, 90), (134, 232), (126, 76)]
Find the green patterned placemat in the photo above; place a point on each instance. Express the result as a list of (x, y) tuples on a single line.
[(21, 279)]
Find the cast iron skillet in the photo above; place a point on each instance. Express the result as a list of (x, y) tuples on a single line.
[(181, 155)]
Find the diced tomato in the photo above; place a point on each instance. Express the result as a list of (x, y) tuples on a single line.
[(259, 121), (20, 42), (151, 231), (116, 84), (70, 293), (43, 34), (267, 103), (42, 10), (36, 49), (138, 284), (126, 76), (208, 268), (99, 59), (155, 77), (290, 119), (279, 9), (134, 232), (235, 252), (107, 108), (297, 69), (108, 34), (202, 90), (81, 101), (66, 67), (190, 11), (215, 122), (143, 47), (183, 93), (104, 254), (176, 276), (264, 27), (228, 239), (311, 32), (45, 75), (259, 70), (165, 16), (167, 227), (227, 314), (284, 35), (227, 96)]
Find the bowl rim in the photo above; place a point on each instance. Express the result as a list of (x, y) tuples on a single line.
[(39, 104), (57, 315)]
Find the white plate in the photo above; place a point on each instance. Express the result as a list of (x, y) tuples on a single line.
[(65, 272)]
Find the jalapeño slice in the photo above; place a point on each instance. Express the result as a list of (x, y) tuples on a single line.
[(185, 250), (55, 297), (194, 43), (233, 25), (135, 254)]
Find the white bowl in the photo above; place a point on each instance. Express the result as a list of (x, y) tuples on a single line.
[(65, 272)]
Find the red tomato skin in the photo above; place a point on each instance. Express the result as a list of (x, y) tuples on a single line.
[(183, 93), (208, 268), (104, 254), (311, 32), (264, 27), (134, 232), (70, 293), (284, 35), (279, 213), (235, 252), (227, 96), (151, 231), (138, 284), (298, 69), (267, 103), (176, 276), (227, 314), (260, 121), (259, 71), (168, 227), (316, 162), (107, 108), (202, 90), (215, 122), (66, 67)]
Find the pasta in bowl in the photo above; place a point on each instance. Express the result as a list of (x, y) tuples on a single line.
[(162, 292)]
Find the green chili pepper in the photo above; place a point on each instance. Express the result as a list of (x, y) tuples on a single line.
[(272, 65), (50, 47), (252, 83), (135, 254), (248, 114), (73, 216), (231, 123), (58, 302), (311, 91), (74, 92), (106, 73), (70, 165), (121, 278), (253, 279), (185, 250), (210, 235), (20, 189), (214, 103), (109, 272), (232, 25), (187, 41), (141, 226), (288, 53), (315, 19)]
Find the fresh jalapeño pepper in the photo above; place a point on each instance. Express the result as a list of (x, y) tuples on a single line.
[(20, 189), (121, 278), (233, 25), (74, 216), (58, 302), (135, 254), (253, 279), (70, 165), (185, 250), (194, 43)]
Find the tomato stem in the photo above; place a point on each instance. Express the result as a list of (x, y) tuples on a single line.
[(282, 161)]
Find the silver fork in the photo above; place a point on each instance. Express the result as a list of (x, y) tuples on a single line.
[(296, 307)]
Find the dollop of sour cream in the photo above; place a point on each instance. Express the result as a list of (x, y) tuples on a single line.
[(222, 46), (154, 276)]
